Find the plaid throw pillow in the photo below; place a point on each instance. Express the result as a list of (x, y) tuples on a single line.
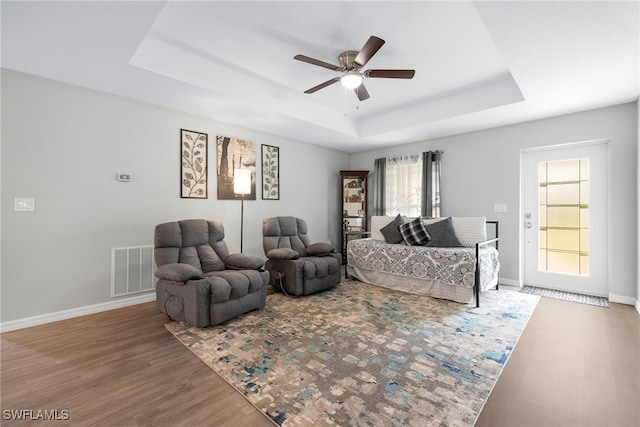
[(414, 233)]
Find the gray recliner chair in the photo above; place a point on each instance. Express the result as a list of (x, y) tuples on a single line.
[(296, 266), (200, 283)]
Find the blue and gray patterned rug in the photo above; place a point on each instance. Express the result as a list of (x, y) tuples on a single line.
[(365, 355)]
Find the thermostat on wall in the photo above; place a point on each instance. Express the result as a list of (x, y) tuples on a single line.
[(125, 177)]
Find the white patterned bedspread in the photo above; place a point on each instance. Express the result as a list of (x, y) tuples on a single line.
[(440, 272)]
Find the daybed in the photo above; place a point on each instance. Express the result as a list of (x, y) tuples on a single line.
[(453, 260)]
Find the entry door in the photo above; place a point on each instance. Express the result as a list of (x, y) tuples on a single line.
[(565, 212)]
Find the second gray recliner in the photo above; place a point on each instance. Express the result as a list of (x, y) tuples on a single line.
[(296, 266)]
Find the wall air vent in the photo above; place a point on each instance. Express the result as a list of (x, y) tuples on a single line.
[(132, 270)]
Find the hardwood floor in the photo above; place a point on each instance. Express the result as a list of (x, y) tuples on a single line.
[(117, 368), (575, 365)]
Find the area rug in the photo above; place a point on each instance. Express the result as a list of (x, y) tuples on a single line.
[(566, 296), (362, 355)]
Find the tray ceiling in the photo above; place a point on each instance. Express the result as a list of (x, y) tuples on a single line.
[(478, 64)]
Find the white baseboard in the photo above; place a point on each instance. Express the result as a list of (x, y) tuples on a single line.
[(75, 312), (621, 299), (637, 305), (509, 282)]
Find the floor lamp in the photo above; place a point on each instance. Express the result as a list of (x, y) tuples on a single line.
[(242, 186)]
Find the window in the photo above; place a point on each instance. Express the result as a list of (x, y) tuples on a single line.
[(407, 185), (403, 185)]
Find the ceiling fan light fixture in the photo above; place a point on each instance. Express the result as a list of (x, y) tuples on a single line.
[(351, 80)]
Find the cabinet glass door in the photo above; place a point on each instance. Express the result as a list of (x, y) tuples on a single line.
[(354, 200), (354, 206)]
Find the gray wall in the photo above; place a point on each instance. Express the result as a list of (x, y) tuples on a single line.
[(482, 168), (63, 145)]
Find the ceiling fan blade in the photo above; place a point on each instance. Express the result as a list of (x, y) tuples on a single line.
[(368, 50), (361, 92), (323, 85), (317, 62), (390, 74)]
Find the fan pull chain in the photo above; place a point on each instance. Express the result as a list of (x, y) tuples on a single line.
[(345, 102)]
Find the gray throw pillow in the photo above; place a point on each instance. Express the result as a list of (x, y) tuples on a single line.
[(414, 233), (177, 272), (243, 262), (391, 231), (442, 235)]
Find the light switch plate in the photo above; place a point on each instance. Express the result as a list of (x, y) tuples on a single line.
[(24, 204), (499, 208)]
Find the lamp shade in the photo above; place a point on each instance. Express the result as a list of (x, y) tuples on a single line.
[(242, 181)]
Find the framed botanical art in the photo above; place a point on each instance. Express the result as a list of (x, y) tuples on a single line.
[(270, 172), (193, 160), (232, 154)]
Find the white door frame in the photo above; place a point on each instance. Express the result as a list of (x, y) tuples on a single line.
[(523, 183)]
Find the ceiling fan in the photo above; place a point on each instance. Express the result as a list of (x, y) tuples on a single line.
[(351, 63)]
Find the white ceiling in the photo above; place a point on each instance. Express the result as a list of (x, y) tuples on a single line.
[(478, 64)]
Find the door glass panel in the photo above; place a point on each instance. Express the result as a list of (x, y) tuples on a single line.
[(584, 192), (563, 200), (542, 261), (563, 262), (584, 265), (563, 240), (584, 218), (563, 193), (563, 171), (563, 216), (584, 169)]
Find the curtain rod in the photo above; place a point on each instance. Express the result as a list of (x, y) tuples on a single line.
[(387, 157)]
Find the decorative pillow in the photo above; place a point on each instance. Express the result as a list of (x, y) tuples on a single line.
[(320, 249), (178, 272), (442, 234), (470, 229), (282, 254), (243, 262), (391, 231), (414, 233)]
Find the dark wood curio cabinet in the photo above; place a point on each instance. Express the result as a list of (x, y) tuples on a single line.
[(353, 187)]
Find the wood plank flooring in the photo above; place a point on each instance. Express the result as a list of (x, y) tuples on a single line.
[(117, 368), (575, 365)]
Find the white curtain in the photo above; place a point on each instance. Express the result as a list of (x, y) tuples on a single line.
[(403, 185)]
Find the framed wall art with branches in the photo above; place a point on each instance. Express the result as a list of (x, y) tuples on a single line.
[(270, 172), (193, 160)]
